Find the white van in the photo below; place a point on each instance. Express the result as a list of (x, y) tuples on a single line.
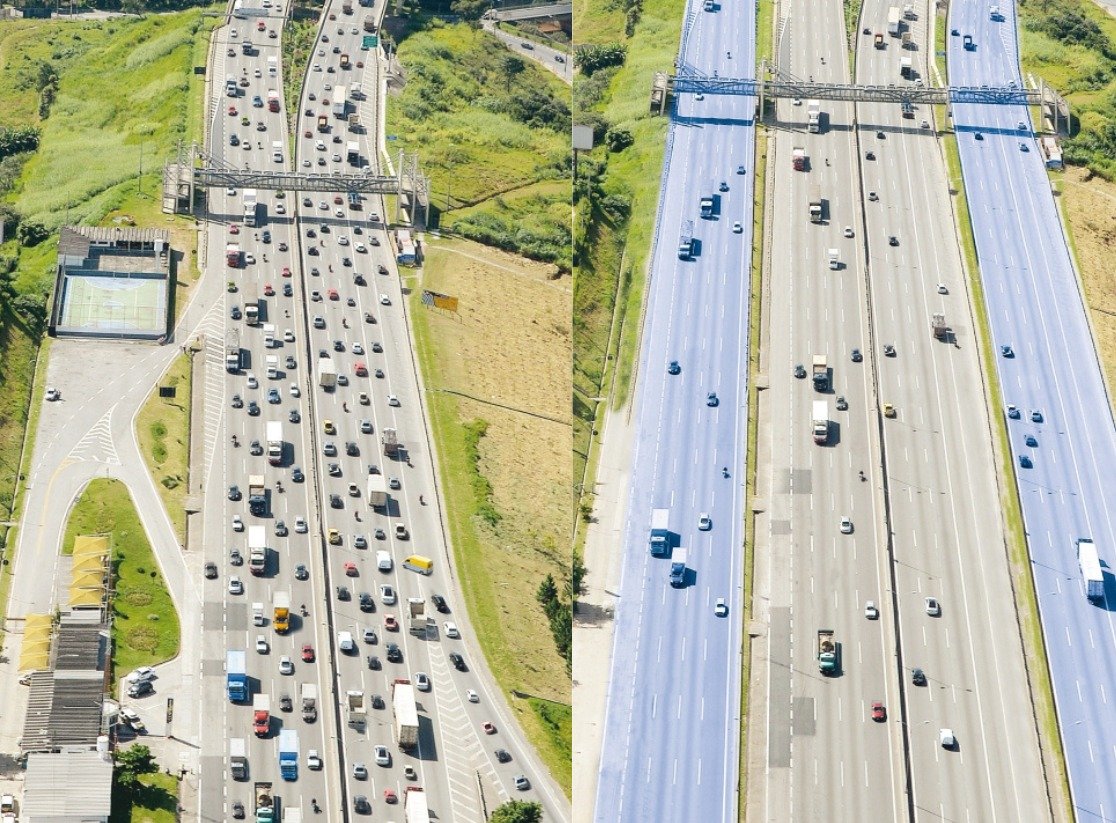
[(383, 561), (272, 66), (277, 151), (257, 614), (345, 642)]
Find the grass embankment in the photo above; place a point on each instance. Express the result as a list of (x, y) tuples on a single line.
[(163, 429), (492, 131), (155, 800), (145, 628), (497, 377), (86, 169), (614, 250)]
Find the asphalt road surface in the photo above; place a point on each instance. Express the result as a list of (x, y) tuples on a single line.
[(1035, 307), (672, 718), (347, 304)]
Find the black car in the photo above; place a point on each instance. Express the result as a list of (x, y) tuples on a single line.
[(359, 280), (918, 677), (440, 603), (799, 371), (857, 356), (334, 469), (234, 493), (893, 240), (361, 805), (281, 529), (382, 269), (210, 570), (255, 448), (237, 810), (346, 261), (234, 313), (889, 350), (266, 236), (377, 702), (237, 403), (324, 229), (140, 688), (339, 345), (234, 140), (286, 704), (503, 756), (343, 593), (297, 475), (294, 416), (288, 290), (367, 604), (458, 661), (310, 232), (301, 572), (351, 448), (335, 501), (842, 403), (378, 347), (373, 662), (312, 251), (674, 368), (394, 653)]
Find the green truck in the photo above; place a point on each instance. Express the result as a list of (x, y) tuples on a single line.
[(828, 652), (265, 804)]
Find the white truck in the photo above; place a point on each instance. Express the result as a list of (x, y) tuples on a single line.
[(377, 491), (405, 712), (909, 11), (274, 442), (352, 152), (238, 758), (834, 259), (1091, 572), (354, 703), (327, 373), (821, 422), (271, 361), (251, 201), (894, 25), (232, 350), (269, 335), (309, 702), (257, 550), (813, 116)]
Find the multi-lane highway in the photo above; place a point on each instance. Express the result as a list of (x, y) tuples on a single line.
[(672, 718), (1062, 456), (323, 271)]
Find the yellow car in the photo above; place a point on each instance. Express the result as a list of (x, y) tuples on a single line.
[(334, 537), (329, 427), (888, 410)]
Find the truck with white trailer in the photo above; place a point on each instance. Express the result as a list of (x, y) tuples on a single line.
[(232, 351), (405, 713), (1088, 560), (821, 422), (275, 442), (327, 373), (377, 491), (309, 702), (257, 550), (238, 758), (894, 23), (659, 539)]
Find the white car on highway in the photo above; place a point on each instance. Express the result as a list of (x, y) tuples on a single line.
[(451, 630), (237, 523)]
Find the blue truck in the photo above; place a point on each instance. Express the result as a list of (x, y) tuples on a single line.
[(660, 533), (236, 674), (288, 754), (678, 569)]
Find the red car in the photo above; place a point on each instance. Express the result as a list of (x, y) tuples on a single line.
[(333, 294), (269, 290), (350, 569), (307, 653), (879, 713), (286, 271), (232, 111), (489, 728), (234, 228), (390, 623), (337, 201), (389, 796), (361, 370), (261, 25), (308, 133)]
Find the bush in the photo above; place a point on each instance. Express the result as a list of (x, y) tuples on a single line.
[(591, 58)]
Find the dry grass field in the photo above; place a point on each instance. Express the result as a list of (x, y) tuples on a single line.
[(1090, 207), (503, 361)]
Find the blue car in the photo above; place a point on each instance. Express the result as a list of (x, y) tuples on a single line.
[(1036, 416), (1030, 440), (711, 399), (674, 368), (273, 396), (1006, 351), (257, 101), (1013, 412), (1025, 461)]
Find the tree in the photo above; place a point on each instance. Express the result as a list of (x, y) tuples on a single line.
[(618, 139), (131, 763), (516, 811), (470, 9), (512, 67), (32, 233)]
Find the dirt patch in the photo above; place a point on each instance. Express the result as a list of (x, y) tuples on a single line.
[(1090, 206)]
